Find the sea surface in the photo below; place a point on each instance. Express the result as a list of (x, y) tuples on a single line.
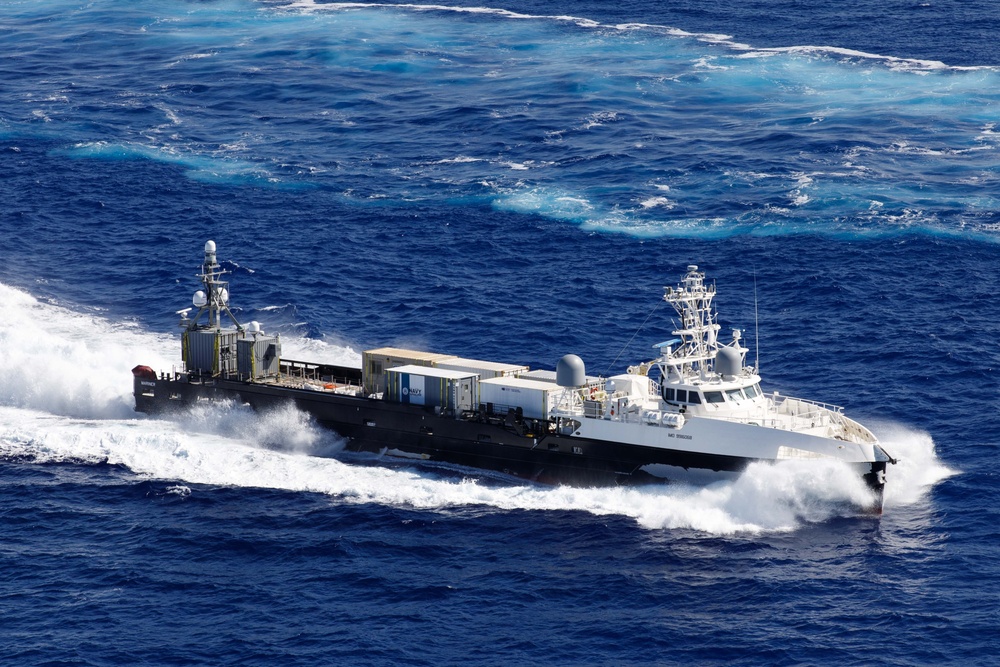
[(513, 181)]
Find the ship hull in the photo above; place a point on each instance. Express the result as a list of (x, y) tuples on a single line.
[(527, 449)]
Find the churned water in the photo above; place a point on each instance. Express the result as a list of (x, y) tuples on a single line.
[(513, 182)]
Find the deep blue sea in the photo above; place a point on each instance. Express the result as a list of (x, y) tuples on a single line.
[(513, 181)]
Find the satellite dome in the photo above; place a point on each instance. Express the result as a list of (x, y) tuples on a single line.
[(570, 372), (210, 247), (199, 299)]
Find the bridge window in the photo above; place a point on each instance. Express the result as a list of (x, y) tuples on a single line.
[(753, 391), (668, 394), (682, 396), (694, 397), (735, 394), (714, 397)]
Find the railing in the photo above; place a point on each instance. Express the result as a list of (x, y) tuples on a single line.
[(785, 422), (850, 429), (799, 414), (778, 399), (320, 377)]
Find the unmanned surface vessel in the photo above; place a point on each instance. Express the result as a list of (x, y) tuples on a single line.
[(694, 413)]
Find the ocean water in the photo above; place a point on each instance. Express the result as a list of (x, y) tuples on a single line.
[(513, 181)]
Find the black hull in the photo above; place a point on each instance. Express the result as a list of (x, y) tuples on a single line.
[(531, 450)]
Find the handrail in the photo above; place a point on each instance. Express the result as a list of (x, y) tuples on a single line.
[(781, 398)]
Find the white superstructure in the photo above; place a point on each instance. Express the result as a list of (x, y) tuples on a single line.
[(705, 399)]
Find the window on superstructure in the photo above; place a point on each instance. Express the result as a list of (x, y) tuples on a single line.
[(694, 397), (735, 394), (682, 396), (668, 394), (714, 397), (753, 391)]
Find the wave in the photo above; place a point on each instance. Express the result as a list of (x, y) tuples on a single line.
[(651, 216), (745, 50), (820, 136), (311, 5), (321, 350), (918, 468)]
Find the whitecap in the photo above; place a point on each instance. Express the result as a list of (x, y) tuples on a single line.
[(654, 202), (73, 364)]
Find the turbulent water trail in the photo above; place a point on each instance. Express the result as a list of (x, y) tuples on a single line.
[(235, 447)]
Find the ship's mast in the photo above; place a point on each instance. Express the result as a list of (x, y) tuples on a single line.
[(214, 298), (698, 330)]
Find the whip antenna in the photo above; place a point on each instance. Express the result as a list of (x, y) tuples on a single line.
[(633, 336), (756, 328)]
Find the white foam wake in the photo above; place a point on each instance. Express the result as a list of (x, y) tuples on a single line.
[(918, 467), (320, 351), (195, 451), (225, 446), (68, 363)]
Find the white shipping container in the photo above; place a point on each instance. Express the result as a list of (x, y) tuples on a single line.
[(534, 397), (437, 387), (484, 369)]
